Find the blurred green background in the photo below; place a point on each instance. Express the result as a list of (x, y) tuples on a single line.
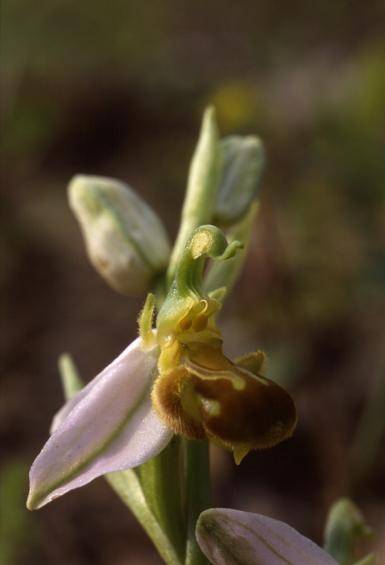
[(118, 89)]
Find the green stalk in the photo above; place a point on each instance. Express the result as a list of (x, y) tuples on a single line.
[(160, 479), (198, 495)]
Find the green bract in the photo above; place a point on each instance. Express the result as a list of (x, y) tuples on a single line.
[(202, 185)]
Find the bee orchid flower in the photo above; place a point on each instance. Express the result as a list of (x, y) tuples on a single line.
[(172, 379)]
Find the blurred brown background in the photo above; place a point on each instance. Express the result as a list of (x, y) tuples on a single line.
[(118, 89)]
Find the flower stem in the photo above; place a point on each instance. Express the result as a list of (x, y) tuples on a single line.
[(160, 478), (198, 496)]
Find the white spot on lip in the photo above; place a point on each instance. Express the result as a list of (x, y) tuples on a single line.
[(213, 407)]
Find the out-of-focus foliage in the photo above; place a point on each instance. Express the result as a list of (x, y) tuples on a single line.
[(16, 527)]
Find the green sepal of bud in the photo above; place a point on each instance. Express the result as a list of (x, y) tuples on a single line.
[(345, 527), (242, 165), (206, 242), (125, 240)]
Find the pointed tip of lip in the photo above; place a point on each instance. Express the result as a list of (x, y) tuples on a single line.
[(239, 453)]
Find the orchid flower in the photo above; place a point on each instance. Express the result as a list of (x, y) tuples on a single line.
[(171, 379)]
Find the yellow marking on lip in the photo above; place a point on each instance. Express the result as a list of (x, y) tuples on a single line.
[(203, 373)]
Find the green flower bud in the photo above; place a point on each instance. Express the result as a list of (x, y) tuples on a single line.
[(345, 528), (243, 159), (125, 240)]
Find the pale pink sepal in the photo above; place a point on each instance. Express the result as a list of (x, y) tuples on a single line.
[(108, 426), (228, 537)]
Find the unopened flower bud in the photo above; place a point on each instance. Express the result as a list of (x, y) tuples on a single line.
[(125, 240), (231, 536), (345, 530), (243, 159)]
